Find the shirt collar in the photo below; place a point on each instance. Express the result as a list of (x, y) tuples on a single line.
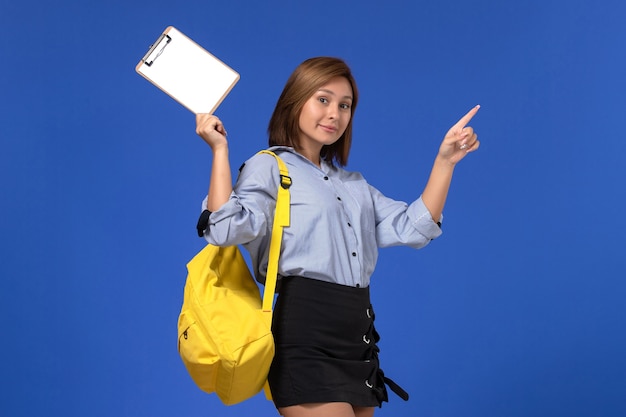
[(325, 166)]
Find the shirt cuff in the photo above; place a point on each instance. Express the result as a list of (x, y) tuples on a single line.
[(423, 221)]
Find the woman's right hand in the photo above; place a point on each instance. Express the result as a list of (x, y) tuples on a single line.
[(211, 130)]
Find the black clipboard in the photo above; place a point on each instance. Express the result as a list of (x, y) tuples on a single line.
[(187, 72)]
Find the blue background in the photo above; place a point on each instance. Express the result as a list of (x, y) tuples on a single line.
[(517, 310)]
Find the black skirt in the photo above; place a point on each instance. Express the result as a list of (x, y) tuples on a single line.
[(326, 346)]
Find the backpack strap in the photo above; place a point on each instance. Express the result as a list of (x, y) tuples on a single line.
[(203, 222), (281, 220)]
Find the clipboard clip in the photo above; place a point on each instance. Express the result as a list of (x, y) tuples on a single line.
[(156, 49)]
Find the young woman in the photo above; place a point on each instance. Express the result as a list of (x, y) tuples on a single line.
[(326, 361)]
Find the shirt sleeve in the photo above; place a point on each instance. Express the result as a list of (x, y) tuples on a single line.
[(398, 223), (245, 216), (423, 221)]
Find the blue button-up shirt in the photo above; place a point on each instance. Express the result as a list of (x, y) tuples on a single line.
[(338, 220)]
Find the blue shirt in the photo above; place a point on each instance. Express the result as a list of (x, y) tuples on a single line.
[(338, 220)]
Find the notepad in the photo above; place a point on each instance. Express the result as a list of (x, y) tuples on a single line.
[(187, 72)]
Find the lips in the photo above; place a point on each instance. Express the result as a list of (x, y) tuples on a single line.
[(329, 129)]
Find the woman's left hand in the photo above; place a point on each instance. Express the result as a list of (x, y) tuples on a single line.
[(460, 140), (211, 130)]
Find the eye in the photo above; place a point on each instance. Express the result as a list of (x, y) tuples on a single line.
[(323, 100), (344, 106)]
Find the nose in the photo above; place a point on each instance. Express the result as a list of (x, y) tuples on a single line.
[(333, 112)]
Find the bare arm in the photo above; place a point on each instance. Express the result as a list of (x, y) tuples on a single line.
[(212, 131), (458, 142)]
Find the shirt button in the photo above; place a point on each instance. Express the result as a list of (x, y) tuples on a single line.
[(353, 253), (326, 178), (349, 224), (339, 198)]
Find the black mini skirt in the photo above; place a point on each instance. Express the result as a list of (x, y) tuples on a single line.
[(326, 347)]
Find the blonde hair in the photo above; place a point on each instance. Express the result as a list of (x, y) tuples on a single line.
[(307, 78)]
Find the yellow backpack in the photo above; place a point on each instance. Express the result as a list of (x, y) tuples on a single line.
[(224, 330)]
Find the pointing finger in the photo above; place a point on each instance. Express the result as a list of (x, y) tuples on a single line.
[(466, 119)]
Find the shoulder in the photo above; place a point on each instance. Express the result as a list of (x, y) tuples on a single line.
[(261, 160), (262, 168)]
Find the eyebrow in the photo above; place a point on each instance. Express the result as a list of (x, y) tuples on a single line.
[(331, 92)]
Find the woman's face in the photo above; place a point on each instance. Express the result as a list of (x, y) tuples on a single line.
[(325, 116)]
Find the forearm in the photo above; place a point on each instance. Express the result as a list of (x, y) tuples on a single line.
[(221, 185), (458, 142), (436, 190)]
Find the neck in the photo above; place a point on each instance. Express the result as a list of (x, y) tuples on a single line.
[(312, 155)]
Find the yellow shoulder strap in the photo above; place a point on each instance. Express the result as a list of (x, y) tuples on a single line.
[(281, 219)]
